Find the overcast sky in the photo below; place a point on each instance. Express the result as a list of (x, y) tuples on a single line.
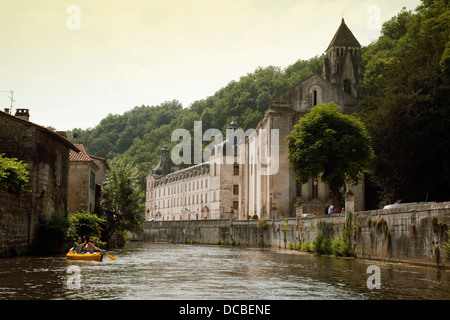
[(72, 62)]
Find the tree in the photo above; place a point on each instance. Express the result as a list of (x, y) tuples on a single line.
[(83, 223), (122, 203), (405, 104), (329, 145)]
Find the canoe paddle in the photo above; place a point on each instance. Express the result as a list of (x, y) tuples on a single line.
[(108, 255)]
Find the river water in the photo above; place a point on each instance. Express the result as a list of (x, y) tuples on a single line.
[(150, 271)]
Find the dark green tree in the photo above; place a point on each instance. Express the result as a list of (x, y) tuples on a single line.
[(122, 203), (331, 146), (405, 104)]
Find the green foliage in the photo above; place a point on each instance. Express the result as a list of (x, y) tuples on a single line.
[(342, 247), (306, 246), (405, 104), (329, 144), (262, 224), (122, 203), (83, 223), (447, 247), (14, 175), (322, 244)]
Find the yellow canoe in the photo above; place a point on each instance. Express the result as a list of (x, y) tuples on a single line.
[(98, 256)]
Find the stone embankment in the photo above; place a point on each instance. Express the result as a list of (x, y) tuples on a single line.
[(412, 234)]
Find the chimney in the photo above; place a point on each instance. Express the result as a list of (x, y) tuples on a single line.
[(75, 138), (62, 133), (23, 114)]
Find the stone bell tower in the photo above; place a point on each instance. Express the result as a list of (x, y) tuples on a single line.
[(342, 63)]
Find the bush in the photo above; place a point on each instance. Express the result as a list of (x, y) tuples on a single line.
[(84, 224), (14, 175), (291, 245), (322, 244), (262, 224), (306, 246), (342, 247)]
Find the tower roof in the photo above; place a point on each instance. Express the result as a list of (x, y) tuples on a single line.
[(344, 37)]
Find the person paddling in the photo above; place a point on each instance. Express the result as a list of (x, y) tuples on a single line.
[(91, 248), (78, 247)]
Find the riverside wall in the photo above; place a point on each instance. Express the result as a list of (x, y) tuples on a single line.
[(412, 234)]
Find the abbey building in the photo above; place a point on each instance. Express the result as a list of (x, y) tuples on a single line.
[(258, 178)]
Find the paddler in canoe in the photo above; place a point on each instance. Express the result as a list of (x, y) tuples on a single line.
[(89, 251), (78, 246)]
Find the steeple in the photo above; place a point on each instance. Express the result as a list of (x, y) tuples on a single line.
[(342, 63), (164, 165), (343, 37)]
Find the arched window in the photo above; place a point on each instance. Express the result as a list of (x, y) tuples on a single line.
[(315, 98), (347, 86)]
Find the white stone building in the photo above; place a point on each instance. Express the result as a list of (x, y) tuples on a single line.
[(209, 190), (259, 180)]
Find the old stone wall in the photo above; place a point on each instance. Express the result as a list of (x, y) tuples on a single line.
[(16, 223), (414, 234), (47, 157)]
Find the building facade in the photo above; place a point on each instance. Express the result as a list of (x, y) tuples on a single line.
[(277, 194), (257, 179), (209, 190), (46, 154)]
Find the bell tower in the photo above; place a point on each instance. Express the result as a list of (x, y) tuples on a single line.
[(342, 63)]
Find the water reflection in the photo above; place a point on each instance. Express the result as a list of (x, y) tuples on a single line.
[(169, 271)]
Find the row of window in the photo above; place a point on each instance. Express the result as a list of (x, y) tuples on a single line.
[(340, 52), (178, 201), (180, 188), (190, 199)]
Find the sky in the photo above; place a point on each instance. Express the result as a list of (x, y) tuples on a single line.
[(73, 62)]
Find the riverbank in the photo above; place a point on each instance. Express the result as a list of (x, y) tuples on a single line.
[(411, 234)]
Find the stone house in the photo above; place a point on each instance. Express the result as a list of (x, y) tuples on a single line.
[(46, 154), (82, 169)]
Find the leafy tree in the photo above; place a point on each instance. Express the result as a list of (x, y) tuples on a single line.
[(14, 175), (83, 223), (122, 203), (405, 104), (329, 145)]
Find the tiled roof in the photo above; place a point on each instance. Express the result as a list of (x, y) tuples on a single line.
[(81, 156)]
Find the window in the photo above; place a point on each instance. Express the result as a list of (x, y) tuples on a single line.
[(236, 189), (347, 86), (236, 169), (298, 188), (92, 180), (315, 98), (235, 205)]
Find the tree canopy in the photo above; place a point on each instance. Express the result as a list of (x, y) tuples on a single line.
[(122, 203), (405, 104), (331, 146)]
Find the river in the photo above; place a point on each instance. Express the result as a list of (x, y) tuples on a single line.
[(153, 271)]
